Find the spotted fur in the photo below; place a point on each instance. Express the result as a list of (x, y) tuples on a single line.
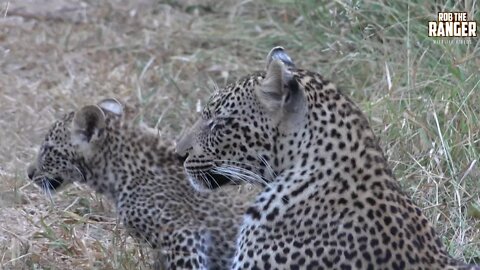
[(330, 200), (145, 180)]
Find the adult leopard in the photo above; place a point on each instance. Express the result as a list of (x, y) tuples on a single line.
[(330, 200), (134, 168)]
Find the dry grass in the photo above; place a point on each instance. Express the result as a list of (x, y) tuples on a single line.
[(162, 58)]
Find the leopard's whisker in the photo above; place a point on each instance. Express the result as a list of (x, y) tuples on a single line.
[(269, 168), (235, 172), (270, 172), (47, 188), (213, 178)]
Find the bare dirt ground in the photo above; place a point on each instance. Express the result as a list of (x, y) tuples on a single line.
[(162, 58)]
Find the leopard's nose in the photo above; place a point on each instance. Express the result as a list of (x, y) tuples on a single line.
[(186, 141), (182, 158), (31, 172)]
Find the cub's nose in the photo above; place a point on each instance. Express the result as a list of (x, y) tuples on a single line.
[(31, 172)]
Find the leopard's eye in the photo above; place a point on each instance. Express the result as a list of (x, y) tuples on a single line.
[(218, 122), (211, 124)]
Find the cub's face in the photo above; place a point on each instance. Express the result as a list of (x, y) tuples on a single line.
[(69, 145), (55, 165)]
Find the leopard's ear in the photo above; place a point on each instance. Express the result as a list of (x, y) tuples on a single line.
[(111, 105), (278, 53), (88, 125), (279, 90)]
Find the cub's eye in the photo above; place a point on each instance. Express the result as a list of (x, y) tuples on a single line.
[(45, 148)]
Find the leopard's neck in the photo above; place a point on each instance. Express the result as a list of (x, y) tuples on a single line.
[(334, 154)]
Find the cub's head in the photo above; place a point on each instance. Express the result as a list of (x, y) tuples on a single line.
[(239, 135), (68, 143)]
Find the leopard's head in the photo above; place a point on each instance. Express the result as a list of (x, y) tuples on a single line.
[(241, 133)]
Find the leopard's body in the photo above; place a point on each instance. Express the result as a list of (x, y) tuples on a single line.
[(330, 200), (133, 167)]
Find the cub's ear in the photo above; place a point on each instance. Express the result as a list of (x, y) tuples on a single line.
[(88, 125), (280, 90), (112, 105)]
